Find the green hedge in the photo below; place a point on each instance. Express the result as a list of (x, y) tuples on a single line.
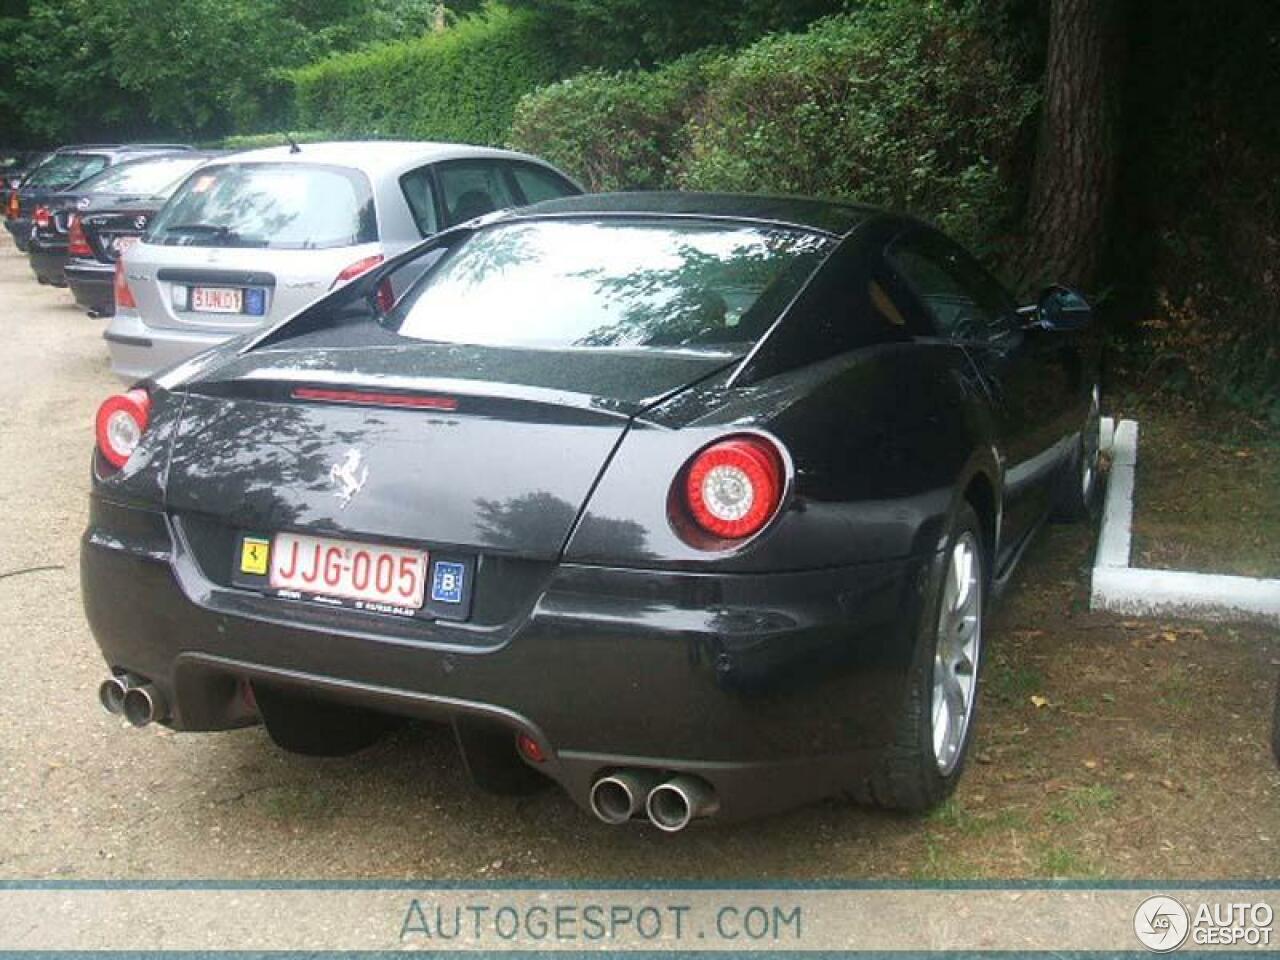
[(904, 104), (458, 85), (255, 141), (616, 131)]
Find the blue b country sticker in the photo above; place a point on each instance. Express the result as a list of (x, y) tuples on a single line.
[(447, 581)]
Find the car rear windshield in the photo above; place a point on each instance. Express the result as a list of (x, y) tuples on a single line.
[(282, 206), (569, 283), (153, 178), (64, 169)]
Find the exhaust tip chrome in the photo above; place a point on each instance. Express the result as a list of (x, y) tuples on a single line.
[(620, 796), (111, 694), (673, 805), (143, 705)]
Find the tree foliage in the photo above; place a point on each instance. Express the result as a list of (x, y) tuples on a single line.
[(116, 69), (902, 104), (627, 33)]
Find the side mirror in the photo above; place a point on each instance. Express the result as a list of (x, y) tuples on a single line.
[(1060, 309)]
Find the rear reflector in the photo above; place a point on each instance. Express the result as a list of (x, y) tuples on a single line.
[(531, 748), (124, 296), (366, 398), (77, 242)]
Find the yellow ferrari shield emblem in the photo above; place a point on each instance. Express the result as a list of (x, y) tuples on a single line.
[(253, 556)]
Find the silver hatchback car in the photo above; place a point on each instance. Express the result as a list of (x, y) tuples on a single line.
[(255, 237)]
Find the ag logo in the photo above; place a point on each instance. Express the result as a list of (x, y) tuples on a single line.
[(140, 222), (1161, 924)]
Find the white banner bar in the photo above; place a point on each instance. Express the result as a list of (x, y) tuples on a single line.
[(200, 918)]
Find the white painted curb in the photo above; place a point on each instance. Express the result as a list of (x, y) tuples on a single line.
[(1142, 592)]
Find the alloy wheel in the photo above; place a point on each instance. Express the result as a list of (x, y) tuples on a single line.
[(1089, 447), (959, 642)]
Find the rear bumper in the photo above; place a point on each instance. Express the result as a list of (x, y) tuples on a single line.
[(20, 230), (138, 350), (47, 262), (91, 284), (777, 689)]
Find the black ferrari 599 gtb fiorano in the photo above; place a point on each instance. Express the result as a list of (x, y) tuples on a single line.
[(692, 503)]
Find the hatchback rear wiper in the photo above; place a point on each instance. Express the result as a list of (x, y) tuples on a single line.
[(201, 229)]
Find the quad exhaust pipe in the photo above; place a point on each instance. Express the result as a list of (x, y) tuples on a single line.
[(670, 804), (112, 691), (622, 795), (133, 697)]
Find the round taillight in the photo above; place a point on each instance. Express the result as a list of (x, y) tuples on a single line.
[(734, 486), (121, 422)]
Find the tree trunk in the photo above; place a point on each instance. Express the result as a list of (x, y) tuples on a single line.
[(1075, 159)]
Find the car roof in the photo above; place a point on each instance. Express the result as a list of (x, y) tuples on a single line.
[(833, 217), (374, 156)]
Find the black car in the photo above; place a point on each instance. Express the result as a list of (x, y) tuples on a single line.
[(692, 503), (64, 168), (14, 165), (84, 228)]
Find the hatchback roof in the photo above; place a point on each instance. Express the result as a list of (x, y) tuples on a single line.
[(373, 156), (829, 216)]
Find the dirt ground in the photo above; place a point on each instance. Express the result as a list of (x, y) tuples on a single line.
[(1208, 493), (1106, 748)]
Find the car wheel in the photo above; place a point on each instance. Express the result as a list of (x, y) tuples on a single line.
[(317, 728), (923, 764), (1077, 497)]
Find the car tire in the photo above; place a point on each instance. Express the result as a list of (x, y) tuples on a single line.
[(921, 767), (1079, 485), (317, 728)]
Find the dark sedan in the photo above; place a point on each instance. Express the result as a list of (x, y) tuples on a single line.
[(691, 503), (14, 166), (64, 168), (78, 234)]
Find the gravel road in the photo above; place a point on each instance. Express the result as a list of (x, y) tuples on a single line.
[(84, 796)]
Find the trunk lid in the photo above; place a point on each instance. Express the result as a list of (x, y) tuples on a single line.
[(505, 471), (284, 282), (125, 219)]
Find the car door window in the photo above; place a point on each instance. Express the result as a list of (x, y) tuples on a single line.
[(538, 184), (472, 188), (420, 195), (963, 300)]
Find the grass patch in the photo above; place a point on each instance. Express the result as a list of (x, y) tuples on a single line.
[(1175, 690), (1062, 862), (1012, 682)]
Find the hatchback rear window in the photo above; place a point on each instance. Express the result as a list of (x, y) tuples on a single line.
[(281, 206), (64, 169), (557, 284)]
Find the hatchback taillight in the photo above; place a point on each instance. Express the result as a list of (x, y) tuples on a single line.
[(77, 242), (124, 296), (734, 487), (385, 296), (120, 425), (42, 217), (14, 209)]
